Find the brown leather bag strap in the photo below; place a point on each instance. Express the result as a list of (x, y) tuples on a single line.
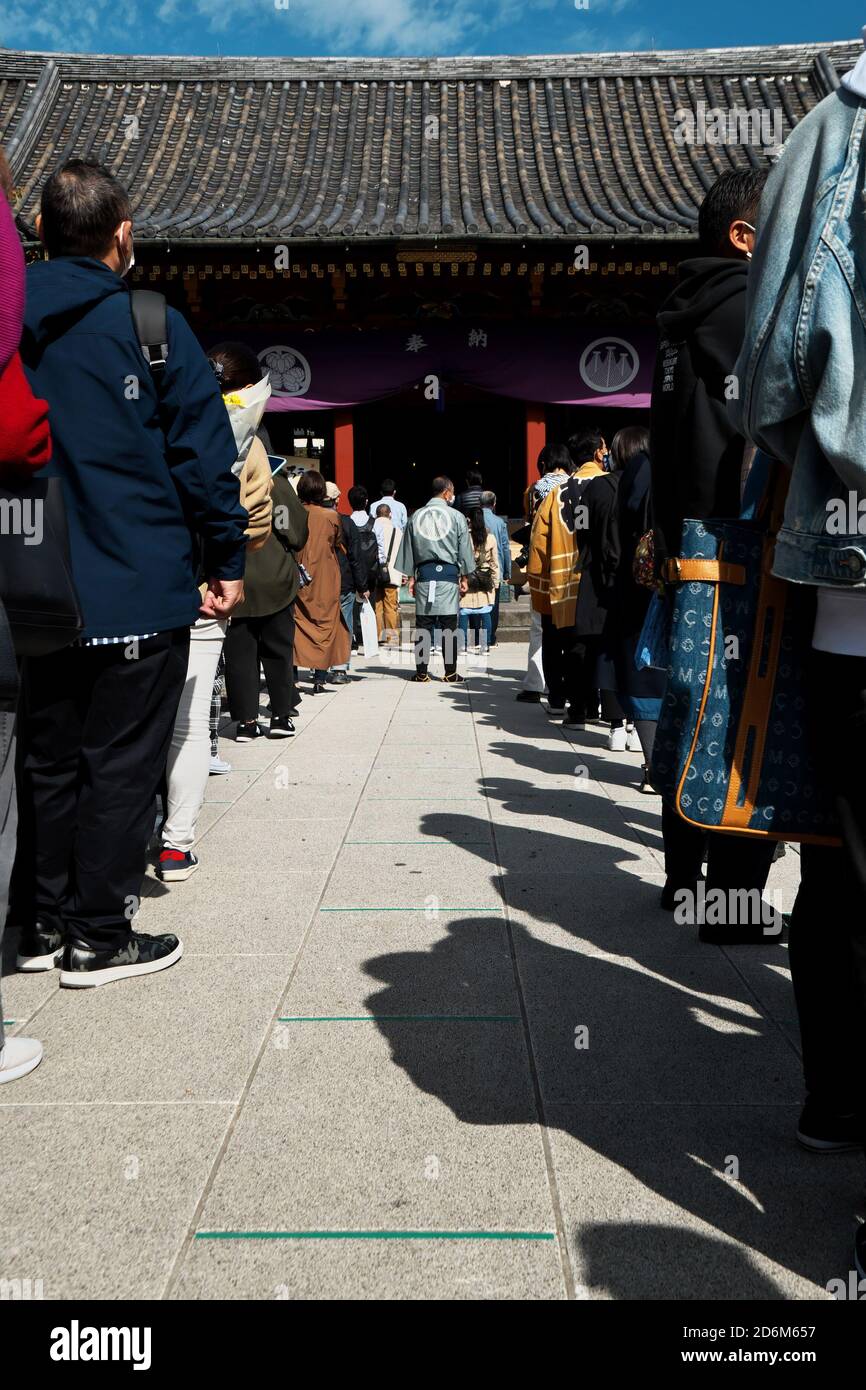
[(680, 571)]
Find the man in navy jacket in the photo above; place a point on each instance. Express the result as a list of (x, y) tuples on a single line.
[(145, 464)]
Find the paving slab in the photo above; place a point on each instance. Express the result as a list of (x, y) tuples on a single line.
[(688, 1201), (432, 1269), (251, 907), (404, 963), (681, 1028), (100, 1207), (120, 1043), (425, 1125), (406, 879), (274, 847)]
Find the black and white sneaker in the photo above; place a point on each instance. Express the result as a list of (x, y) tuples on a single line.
[(822, 1133), (245, 733), (83, 968), (281, 726), (40, 948)]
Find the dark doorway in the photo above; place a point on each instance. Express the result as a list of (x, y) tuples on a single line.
[(565, 420), (411, 440)]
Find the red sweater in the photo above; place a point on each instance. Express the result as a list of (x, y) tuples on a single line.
[(25, 439)]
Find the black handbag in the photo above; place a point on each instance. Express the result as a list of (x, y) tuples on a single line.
[(35, 571)]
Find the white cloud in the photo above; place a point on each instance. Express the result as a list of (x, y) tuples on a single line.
[(335, 27)]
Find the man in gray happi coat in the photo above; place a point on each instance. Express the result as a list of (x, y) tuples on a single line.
[(437, 553)]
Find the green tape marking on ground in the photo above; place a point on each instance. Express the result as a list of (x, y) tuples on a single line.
[(410, 909), (400, 1018), (374, 1235), (7, 1021), (441, 841)]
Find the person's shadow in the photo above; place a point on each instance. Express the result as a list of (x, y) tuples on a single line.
[(616, 1029)]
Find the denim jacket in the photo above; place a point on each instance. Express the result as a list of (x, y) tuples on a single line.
[(802, 368)]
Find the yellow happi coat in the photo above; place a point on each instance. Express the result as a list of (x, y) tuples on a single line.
[(553, 581)]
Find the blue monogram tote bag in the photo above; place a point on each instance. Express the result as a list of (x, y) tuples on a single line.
[(731, 751)]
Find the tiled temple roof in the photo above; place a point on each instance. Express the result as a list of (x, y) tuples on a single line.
[(354, 149)]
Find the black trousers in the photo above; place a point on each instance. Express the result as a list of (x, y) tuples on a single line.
[(581, 688), (425, 635), (733, 861), (269, 642), (494, 617), (554, 643), (95, 729), (827, 943)]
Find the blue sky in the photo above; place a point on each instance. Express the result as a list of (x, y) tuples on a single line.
[(420, 27)]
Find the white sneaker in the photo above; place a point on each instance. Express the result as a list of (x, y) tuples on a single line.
[(218, 765), (617, 739), (18, 1057), (632, 742)]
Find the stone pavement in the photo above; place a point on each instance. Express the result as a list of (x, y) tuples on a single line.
[(431, 1037)]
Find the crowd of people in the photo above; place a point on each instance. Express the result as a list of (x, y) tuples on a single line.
[(199, 564)]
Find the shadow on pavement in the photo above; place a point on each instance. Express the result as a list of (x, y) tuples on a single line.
[(686, 1091)]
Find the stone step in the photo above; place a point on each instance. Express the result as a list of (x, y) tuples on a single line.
[(513, 620)]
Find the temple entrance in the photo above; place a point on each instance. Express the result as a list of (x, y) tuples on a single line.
[(411, 440)]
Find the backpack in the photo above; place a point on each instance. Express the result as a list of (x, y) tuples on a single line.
[(370, 551), (150, 316)]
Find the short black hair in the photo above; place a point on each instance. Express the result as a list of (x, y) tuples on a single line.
[(442, 484), (235, 365), (473, 477), (584, 445), (358, 498), (82, 204), (311, 487), (555, 458), (388, 486), (735, 195)]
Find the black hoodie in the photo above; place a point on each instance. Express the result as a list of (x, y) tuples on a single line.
[(696, 456)]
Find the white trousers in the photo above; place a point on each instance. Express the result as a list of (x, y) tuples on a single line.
[(188, 765), (534, 678)]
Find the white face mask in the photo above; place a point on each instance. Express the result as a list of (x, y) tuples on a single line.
[(127, 265), (751, 229), (246, 409)]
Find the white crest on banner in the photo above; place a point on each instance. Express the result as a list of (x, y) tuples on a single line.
[(609, 364), (289, 370)]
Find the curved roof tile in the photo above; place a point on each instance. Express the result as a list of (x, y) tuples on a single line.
[(233, 149)]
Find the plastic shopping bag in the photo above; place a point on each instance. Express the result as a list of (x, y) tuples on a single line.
[(369, 634)]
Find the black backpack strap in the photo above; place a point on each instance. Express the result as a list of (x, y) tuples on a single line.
[(150, 316)]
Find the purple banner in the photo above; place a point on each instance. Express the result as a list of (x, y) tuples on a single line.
[(557, 363)]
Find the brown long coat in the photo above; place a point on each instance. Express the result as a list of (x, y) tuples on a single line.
[(321, 637)]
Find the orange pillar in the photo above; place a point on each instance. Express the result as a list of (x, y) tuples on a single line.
[(344, 455), (536, 438)]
